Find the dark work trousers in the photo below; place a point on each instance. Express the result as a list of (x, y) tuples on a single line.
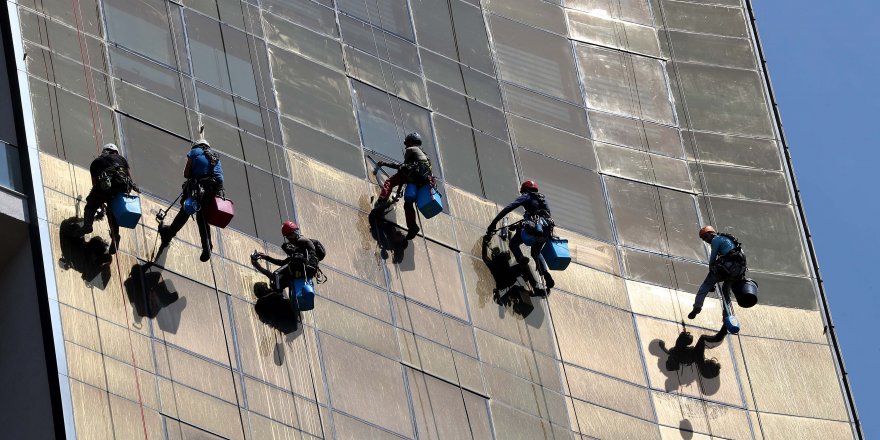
[(409, 209), (536, 248), (97, 199), (204, 228)]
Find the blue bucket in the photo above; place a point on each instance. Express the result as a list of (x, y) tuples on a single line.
[(556, 254), (302, 291), (126, 210), (529, 239), (411, 192), (191, 206), (731, 323), (429, 201)]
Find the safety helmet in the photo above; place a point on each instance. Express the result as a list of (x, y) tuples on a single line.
[(288, 228), (413, 139), (528, 185), (111, 147), (706, 230), (200, 142)]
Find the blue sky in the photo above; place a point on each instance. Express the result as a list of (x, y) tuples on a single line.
[(824, 65)]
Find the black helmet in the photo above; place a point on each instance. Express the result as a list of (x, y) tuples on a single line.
[(413, 139)]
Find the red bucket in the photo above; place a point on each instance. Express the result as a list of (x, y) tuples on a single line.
[(219, 211)]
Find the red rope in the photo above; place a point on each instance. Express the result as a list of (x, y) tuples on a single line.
[(94, 109)]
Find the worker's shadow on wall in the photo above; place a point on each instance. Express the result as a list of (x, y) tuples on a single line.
[(683, 364), (390, 238), (87, 257), (275, 310), (152, 295), (511, 289)]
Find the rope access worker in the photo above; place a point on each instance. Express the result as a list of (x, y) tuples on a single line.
[(536, 222), (726, 263), (416, 170), (110, 177), (204, 180), (303, 257)]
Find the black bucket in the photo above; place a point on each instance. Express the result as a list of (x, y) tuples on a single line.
[(746, 292)]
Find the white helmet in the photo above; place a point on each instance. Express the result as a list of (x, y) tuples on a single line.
[(201, 141), (111, 147)]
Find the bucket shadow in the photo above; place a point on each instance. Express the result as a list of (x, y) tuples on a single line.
[(274, 310), (153, 296), (683, 364), (87, 257)]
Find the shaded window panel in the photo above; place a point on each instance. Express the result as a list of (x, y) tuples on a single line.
[(206, 50), (637, 214), (451, 413), (636, 11), (315, 94), (256, 151), (238, 189), (231, 12), (238, 58), (497, 168), (250, 116), (637, 165), (10, 167), (65, 126), (482, 87), (64, 40), (272, 203), (553, 142), (442, 71), (146, 74), (575, 194), (215, 103), (62, 10), (786, 291), (743, 182), (151, 108), (681, 220), (649, 268), (725, 100), (305, 139), (179, 37), (473, 42), (711, 49), (604, 31), (688, 275), (769, 233), (223, 137), (433, 26), (706, 19), (385, 120), (303, 41), (141, 25), (305, 12), (550, 111), (263, 73), (623, 83), (535, 59), (68, 74), (538, 13), (379, 43), (391, 15), (732, 150), (448, 103), (634, 133), (456, 144), (489, 120), (160, 155), (386, 76)]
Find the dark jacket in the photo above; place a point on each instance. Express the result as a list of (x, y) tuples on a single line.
[(533, 203)]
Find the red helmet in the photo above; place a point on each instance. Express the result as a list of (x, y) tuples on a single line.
[(288, 228), (708, 229), (528, 185)]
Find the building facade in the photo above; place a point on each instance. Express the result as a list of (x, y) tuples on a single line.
[(641, 120)]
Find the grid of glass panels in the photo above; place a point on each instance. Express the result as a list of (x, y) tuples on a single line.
[(640, 120)]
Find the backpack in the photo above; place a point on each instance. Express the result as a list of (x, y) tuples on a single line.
[(417, 172), (732, 265), (320, 251)]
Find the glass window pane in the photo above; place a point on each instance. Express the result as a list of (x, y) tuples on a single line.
[(711, 49), (391, 15), (206, 49), (161, 156), (431, 18), (637, 214), (315, 94), (386, 119), (146, 74), (141, 25), (637, 11), (238, 58), (725, 100), (552, 142), (552, 112), (707, 19), (304, 12), (473, 42), (605, 31), (575, 194), (342, 155), (303, 41), (456, 145), (733, 150), (379, 43), (624, 83), (744, 182), (535, 59), (538, 13), (496, 168)]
